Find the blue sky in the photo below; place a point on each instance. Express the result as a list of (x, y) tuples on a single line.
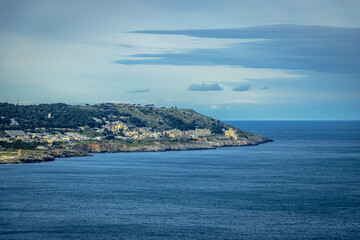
[(246, 60)]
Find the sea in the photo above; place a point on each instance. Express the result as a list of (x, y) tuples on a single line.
[(304, 185)]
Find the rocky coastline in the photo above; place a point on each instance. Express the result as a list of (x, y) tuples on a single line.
[(86, 148), (39, 157)]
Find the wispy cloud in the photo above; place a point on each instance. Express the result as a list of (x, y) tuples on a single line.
[(205, 87), (139, 91), (242, 88), (298, 47), (280, 31)]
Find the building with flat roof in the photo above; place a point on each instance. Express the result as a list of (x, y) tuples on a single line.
[(16, 133)]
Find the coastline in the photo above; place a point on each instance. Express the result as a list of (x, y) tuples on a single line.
[(84, 149)]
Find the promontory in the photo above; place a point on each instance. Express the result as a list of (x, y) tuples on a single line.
[(43, 132)]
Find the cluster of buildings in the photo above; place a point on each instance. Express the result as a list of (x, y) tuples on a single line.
[(118, 129), (45, 137), (60, 137), (123, 131), (115, 126), (148, 133)]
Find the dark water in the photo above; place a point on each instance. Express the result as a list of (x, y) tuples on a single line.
[(305, 185)]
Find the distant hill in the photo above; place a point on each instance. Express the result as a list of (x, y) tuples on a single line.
[(60, 115)]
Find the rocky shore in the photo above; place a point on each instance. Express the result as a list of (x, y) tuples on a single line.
[(114, 147), (83, 149), (38, 157)]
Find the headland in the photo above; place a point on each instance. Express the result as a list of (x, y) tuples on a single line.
[(44, 132)]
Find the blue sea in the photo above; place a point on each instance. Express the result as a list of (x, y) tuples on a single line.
[(304, 185)]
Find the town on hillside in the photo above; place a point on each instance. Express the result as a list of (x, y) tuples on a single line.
[(109, 131), (104, 129)]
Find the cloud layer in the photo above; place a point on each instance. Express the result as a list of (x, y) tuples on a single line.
[(318, 48)]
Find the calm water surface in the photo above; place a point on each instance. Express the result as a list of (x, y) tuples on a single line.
[(305, 185)]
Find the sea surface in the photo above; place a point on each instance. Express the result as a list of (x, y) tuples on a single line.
[(304, 185)]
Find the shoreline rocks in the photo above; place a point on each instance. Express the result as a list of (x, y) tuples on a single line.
[(39, 157), (83, 149)]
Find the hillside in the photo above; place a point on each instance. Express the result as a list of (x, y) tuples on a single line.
[(37, 133), (73, 116)]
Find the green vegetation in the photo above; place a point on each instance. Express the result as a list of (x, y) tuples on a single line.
[(89, 132), (61, 115), (32, 116), (14, 145)]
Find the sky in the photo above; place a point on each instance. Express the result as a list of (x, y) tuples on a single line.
[(229, 59)]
